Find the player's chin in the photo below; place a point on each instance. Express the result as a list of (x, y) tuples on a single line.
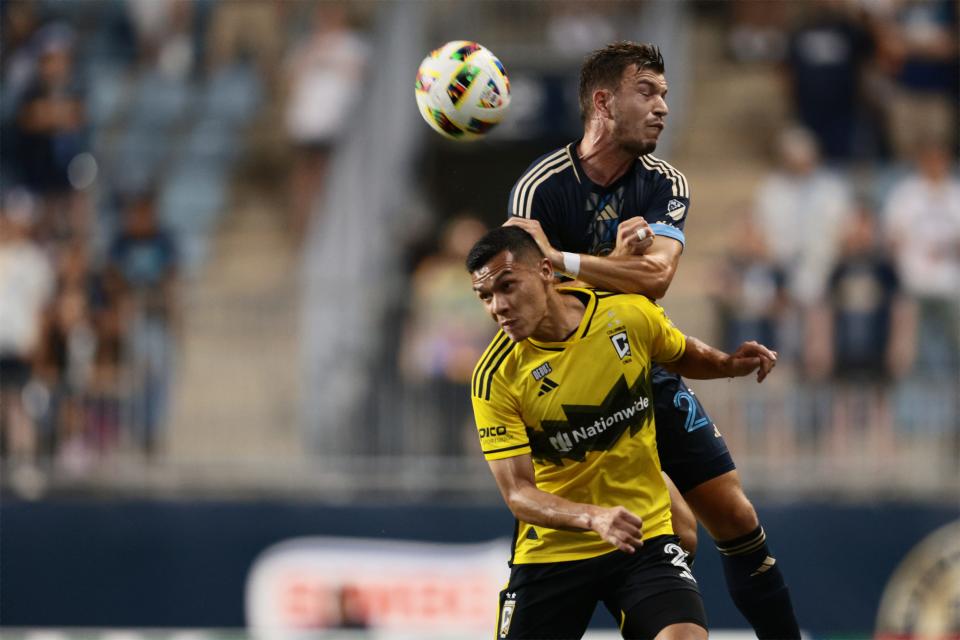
[(641, 147), (515, 331)]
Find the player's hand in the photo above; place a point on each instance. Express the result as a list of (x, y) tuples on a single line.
[(749, 357), (619, 527), (634, 237), (534, 229)]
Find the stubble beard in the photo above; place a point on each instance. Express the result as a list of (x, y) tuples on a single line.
[(633, 147)]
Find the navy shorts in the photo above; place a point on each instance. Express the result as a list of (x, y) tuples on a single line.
[(691, 448), (644, 591)]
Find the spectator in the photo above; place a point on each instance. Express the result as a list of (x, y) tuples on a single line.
[(50, 131), (324, 76), (751, 291), (143, 261), (922, 216), (18, 25), (64, 362), (826, 54), (752, 300), (247, 30), (63, 366), (801, 209), (164, 34), (864, 337), (445, 337), (26, 284), (757, 32), (919, 50)]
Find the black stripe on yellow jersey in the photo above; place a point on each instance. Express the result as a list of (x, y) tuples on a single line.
[(583, 409)]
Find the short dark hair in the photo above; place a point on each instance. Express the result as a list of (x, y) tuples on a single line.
[(513, 239), (604, 67)]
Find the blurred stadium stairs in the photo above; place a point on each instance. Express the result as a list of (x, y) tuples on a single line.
[(237, 383), (722, 149)]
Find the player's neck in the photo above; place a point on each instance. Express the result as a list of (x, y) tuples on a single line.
[(600, 158), (564, 313)]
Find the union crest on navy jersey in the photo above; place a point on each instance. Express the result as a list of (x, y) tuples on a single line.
[(578, 215)]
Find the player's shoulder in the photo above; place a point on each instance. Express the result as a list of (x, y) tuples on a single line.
[(560, 158), (499, 356), (549, 172), (659, 170), (628, 306)]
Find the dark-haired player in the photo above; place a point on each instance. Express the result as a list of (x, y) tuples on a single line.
[(564, 411), (608, 213)]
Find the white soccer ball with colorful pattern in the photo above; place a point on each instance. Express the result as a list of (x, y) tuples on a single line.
[(462, 90)]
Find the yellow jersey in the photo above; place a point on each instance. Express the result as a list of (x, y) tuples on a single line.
[(583, 410)]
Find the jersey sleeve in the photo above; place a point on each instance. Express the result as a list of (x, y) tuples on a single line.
[(534, 196), (499, 426), (666, 342), (667, 212)]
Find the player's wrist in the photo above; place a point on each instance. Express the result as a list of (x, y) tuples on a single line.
[(569, 263), (556, 258), (728, 367)]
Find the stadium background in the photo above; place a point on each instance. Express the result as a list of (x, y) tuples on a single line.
[(234, 314)]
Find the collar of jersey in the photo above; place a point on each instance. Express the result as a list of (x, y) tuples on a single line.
[(582, 176), (582, 328)]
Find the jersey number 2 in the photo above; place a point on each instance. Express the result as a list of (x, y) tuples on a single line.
[(679, 560), (695, 416)]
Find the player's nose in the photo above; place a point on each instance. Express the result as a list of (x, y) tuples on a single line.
[(660, 107), (500, 305)]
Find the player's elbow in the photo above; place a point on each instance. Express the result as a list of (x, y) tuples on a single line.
[(518, 501), (659, 286), (651, 285), (656, 281)]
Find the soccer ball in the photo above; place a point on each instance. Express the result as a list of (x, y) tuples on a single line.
[(462, 90)]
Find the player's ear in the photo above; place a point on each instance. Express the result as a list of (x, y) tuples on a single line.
[(546, 270), (601, 102)]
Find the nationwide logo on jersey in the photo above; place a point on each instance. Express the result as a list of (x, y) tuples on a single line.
[(594, 428), (676, 209)]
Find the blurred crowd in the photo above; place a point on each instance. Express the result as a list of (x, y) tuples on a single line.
[(121, 122), (848, 261)]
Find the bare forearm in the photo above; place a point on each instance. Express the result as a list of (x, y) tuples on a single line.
[(542, 509), (649, 275), (700, 361)]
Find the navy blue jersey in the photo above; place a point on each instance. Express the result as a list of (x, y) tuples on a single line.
[(582, 217)]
